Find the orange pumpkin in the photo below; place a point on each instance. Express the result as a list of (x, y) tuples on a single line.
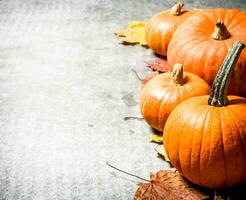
[(163, 92), (203, 40), (160, 28), (205, 137)]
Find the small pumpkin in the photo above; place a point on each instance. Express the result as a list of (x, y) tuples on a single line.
[(202, 41), (205, 137), (163, 92), (160, 28)]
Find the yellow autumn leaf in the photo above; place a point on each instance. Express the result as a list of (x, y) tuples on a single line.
[(161, 152), (156, 138), (133, 34)]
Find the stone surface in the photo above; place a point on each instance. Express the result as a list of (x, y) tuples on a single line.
[(65, 87)]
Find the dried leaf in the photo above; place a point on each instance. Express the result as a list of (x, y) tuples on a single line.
[(161, 152), (160, 65), (156, 138), (167, 185), (134, 34)]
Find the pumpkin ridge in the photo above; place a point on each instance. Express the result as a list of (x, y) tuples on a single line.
[(156, 125), (201, 88), (200, 148), (163, 102), (195, 47), (193, 22), (182, 135), (145, 97), (223, 148), (179, 158), (169, 137), (166, 141), (157, 35), (240, 136), (238, 22), (148, 28), (203, 17), (239, 15), (206, 17), (228, 45), (192, 141), (162, 42), (178, 18), (206, 51), (207, 160), (203, 31), (219, 13), (234, 13), (189, 38), (228, 16), (210, 15), (181, 47), (180, 97), (187, 89)]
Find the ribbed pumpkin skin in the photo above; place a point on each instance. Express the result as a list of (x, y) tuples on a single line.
[(208, 144), (160, 95), (193, 46), (160, 28)]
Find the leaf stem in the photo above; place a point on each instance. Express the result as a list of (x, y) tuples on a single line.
[(133, 117), (137, 75), (130, 174)]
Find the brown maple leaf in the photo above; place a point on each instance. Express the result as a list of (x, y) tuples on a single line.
[(167, 185), (160, 65)]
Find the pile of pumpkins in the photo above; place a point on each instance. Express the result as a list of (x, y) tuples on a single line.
[(204, 130)]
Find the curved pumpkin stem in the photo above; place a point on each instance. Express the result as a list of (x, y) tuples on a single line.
[(218, 94), (220, 32), (177, 8), (178, 74)]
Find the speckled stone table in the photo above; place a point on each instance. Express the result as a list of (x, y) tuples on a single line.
[(65, 87)]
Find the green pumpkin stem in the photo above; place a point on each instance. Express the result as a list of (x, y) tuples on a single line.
[(218, 94), (177, 8)]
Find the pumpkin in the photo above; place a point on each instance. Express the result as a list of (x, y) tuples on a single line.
[(205, 137), (202, 42), (160, 28), (163, 92)]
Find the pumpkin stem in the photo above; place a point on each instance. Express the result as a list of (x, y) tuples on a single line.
[(178, 74), (220, 32), (218, 94), (177, 8)]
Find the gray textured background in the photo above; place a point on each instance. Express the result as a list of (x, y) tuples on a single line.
[(65, 86)]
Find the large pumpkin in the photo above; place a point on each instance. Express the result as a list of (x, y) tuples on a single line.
[(163, 92), (205, 137), (160, 28), (203, 40)]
